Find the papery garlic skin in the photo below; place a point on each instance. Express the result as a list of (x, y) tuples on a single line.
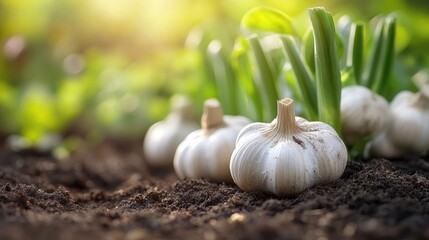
[(288, 155), (408, 131), (363, 113), (163, 137), (205, 153)]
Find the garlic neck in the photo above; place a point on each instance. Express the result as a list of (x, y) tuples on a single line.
[(286, 122), (184, 113), (213, 114), (421, 100), (182, 108)]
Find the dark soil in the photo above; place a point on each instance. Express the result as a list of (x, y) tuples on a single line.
[(108, 192)]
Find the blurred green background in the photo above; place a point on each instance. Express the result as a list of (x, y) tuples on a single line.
[(106, 69)]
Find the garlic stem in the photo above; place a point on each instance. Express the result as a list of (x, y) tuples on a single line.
[(421, 80), (286, 122), (185, 113), (213, 114), (424, 90), (421, 100), (182, 108)]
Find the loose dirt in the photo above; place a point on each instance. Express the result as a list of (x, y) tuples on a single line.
[(108, 192)]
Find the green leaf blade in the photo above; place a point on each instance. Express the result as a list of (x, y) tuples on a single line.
[(227, 86), (303, 77), (373, 64), (388, 54), (328, 77), (267, 19), (355, 51), (242, 66), (308, 50), (265, 80)]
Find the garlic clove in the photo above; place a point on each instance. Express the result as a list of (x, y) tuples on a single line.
[(381, 146), (401, 99), (163, 137), (288, 155), (363, 113), (408, 130), (206, 152)]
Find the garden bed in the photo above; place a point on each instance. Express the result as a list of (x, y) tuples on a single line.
[(108, 192)]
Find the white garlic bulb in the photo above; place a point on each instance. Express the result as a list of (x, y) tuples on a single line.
[(408, 130), (363, 113), (205, 153), (288, 155), (163, 137)]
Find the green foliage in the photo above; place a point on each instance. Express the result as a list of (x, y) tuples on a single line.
[(265, 79), (320, 94), (355, 51), (303, 77), (329, 58), (382, 54), (63, 71), (242, 66), (328, 78), (266, 19)]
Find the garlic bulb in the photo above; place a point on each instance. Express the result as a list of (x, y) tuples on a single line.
[(363, 113), (288, 155), (408, 130), (205, 153), (163, 137)]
